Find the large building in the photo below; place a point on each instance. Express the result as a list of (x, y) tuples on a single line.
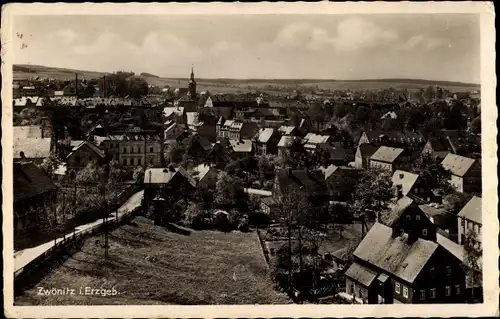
[(133, 150)]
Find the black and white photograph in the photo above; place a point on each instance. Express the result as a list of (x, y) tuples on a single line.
[(222, 154)]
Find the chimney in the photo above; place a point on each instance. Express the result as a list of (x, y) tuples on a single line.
[(171, 168)]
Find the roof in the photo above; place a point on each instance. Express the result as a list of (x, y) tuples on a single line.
[(312, 138), (264, 135), (473, 210), (454, 248), (395, 211), (312, 182), (361, 274), (287, 141), (241, 146), (367, 150), (405, 179), (398, 135), (165, 175), (395, 255), (91, 146), (259, 192), (457, 165), (30, 131), (32, 147), (178, 111), (389, 115), (386, 154), (200, 171), (30, 181), (431, 211), (328, 171), (287, 130)]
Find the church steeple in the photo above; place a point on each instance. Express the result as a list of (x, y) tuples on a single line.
[(192, 85)]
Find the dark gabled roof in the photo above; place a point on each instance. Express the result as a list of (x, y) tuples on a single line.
[(367, 150), (30, 181), (395, 255), (91, 146), (311, 182), (248, 130), (398, 135), (395, 211)]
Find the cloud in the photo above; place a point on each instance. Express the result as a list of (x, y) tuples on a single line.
[(66, 36), (421, 42), (357, 33), (351, 35), (224, 47)]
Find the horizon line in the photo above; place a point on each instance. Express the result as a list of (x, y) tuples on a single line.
[(242, 78)]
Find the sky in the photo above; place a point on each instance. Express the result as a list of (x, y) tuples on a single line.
[(343, 47)]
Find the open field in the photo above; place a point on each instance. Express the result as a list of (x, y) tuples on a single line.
[(244, 85), (150, 265)]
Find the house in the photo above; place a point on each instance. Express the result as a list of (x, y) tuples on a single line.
[(287, 130), (34, 194), (205, 175), (31, 149), (396, 137), (197, 147), (29, 131), (363, 154), (241, 148), (437, 148), (83, 154), (172, 179), (470, 218), (340, 180), (266, 141), (410, 184), (175, 113), (133, 150), (311, 182), (313, 141), (445, 222), (465, 173), (285, 143), (234, 129), (219, 155), (388, 158), (172, 131), (392, 266)]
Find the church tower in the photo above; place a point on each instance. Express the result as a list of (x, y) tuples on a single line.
[(192, 85)]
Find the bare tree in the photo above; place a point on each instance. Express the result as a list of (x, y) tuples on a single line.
[(472, 260)]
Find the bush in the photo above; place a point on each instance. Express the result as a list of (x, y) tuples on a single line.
[(243, 224)]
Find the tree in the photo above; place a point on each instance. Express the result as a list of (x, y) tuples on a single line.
[(340, 110), (137, 87), (454, 202), (193, 214), (472, 260), (175, 152), (373, 191), (89, 90), (50, 164), (432, 173), (229, 192), (90, 174)]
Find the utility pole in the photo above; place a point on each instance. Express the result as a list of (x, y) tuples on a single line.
[(105, 223), (74, 203), (76, 85)]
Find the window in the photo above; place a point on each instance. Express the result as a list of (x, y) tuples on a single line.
[(424, 232), (448, 270), (151, 149), (432, 273), (138, 161), (448, 291), (398, 288), (408, 217), (405, 292), (433, 293), (422, 294), (457, 289), (417, 217), (124, 150), (90, 158), (462, 221), (124, 162), (131, 161)]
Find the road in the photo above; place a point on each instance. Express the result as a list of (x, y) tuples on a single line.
[(24, 257)]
